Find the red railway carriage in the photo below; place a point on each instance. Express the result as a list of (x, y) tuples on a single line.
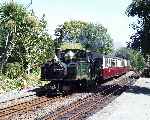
[(113, 66)]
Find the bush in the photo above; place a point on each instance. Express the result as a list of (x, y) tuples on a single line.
[(137, 60), (13, 70), (34, 79), (25, 81), (8, 84), (15, 79)]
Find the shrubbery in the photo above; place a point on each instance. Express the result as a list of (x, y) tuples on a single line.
[(13, 70), (7, 84), (20, 82), (137, 60)]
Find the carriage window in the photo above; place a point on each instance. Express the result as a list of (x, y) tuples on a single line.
[(109, 62), (122, 63), (106, 62), (113, 63)]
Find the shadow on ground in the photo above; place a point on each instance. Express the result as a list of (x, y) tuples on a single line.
[(42, 91), (100, 89), (139, 90)]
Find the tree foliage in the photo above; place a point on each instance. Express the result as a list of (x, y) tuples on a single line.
[(141, 39), (135, 57), (23, 36), (123, 53), (95, 37), (91, 36), (69, 31), (137, 60)]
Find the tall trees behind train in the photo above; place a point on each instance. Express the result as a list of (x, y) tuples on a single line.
[(69, 31), (91, 36), (141, 39), (96, 38), (135, 57), (23, 37), (123, 53)]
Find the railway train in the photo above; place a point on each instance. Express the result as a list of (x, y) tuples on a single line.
[(73, 68)]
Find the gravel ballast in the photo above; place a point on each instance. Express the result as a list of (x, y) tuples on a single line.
[(39, 113), (14, 97), (134, 104), (14, 94)]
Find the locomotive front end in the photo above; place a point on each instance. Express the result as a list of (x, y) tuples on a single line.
[(62, 67), (54, 70)]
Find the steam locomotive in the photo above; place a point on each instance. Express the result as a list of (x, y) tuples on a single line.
[(73, 68)]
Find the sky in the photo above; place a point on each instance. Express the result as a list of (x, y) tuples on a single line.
[(109, 13)]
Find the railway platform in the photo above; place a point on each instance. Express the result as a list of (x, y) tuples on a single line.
[(134, 104)]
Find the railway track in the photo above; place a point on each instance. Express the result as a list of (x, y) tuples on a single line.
[(20, 99), (75, 108), (7, 103), (11, 100), (27, 106), (80, 108)]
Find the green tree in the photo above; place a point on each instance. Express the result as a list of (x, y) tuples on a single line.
[(123, 53), (135, 57), (137, 60), (140, 40), (8, 22), (69, 31), (23, 37), (91, 36), (95, 37)]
